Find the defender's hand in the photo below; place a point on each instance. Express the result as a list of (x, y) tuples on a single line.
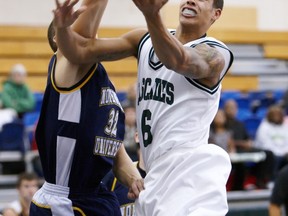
[(135, 189), (65, 15)]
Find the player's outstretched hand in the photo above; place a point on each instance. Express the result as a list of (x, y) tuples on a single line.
[(150, 7), (65, 15), (135, 189)]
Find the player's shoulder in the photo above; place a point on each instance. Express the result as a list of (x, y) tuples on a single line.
[(209, 40), (135, 35)]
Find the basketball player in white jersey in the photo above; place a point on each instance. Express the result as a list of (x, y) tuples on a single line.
[(179, 83)]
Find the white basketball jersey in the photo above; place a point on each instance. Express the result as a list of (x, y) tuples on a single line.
[(173, 111)]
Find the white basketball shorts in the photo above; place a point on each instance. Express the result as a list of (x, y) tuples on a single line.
[(186, 182)]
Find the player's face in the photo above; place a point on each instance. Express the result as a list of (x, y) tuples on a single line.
[(231, 109), (27, 189), (19, 78), (198, 13)]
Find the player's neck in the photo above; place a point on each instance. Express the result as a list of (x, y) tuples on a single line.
[(186, 36)]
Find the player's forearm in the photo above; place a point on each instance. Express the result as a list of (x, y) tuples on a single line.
[(69, 44), (124, 169), (168, 49), (88, 23), (200, 62), (127, 174)]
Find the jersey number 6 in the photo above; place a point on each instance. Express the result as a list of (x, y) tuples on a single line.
[(146, 129)]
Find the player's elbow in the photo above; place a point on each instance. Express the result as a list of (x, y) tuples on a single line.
[(174, 64), (81, 56), (171, 67)]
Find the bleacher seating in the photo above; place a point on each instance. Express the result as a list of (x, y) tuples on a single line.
[(12, 137), (252, 123), (30, 120), (243, 102), (28, 45), (261, 112), (248, 203), (251, 51), (244, 113)]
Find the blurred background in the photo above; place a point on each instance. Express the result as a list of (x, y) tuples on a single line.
[(257, 33)]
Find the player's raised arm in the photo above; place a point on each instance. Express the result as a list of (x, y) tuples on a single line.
[(81, 49), (169, 48), (64, 17), (88, 22)]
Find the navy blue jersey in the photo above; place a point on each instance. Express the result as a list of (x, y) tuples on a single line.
[(121, 191), (80, 130), (94, 203)]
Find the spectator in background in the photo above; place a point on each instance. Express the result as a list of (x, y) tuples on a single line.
[(220, 135), (267, 100), (131, 96), (16, 94), (263, 170), (240, 134), (27, 185), (130, 130), (272, 135), (279, 196)]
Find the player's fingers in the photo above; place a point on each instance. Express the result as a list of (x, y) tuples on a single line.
[(66, 3), (137, 187), (57, 3), (140, 184), (82, 9), (79, 11), (73, 3), (131, 195), (55, 13)]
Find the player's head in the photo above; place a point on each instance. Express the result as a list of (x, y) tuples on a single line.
[(51, 37), (231, 108), (200, 14), (219, 119), (18, 74), (27, 185), (275, 115), (218, 4)]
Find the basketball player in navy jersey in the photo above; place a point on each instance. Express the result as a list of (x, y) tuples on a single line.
[(179, 85), (80, 133)]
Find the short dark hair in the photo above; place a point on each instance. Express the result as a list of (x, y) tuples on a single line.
[(218, 4), (50, 36), (26, 176)]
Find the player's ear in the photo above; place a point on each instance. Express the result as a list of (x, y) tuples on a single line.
[(52, 37), (216, 14)]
